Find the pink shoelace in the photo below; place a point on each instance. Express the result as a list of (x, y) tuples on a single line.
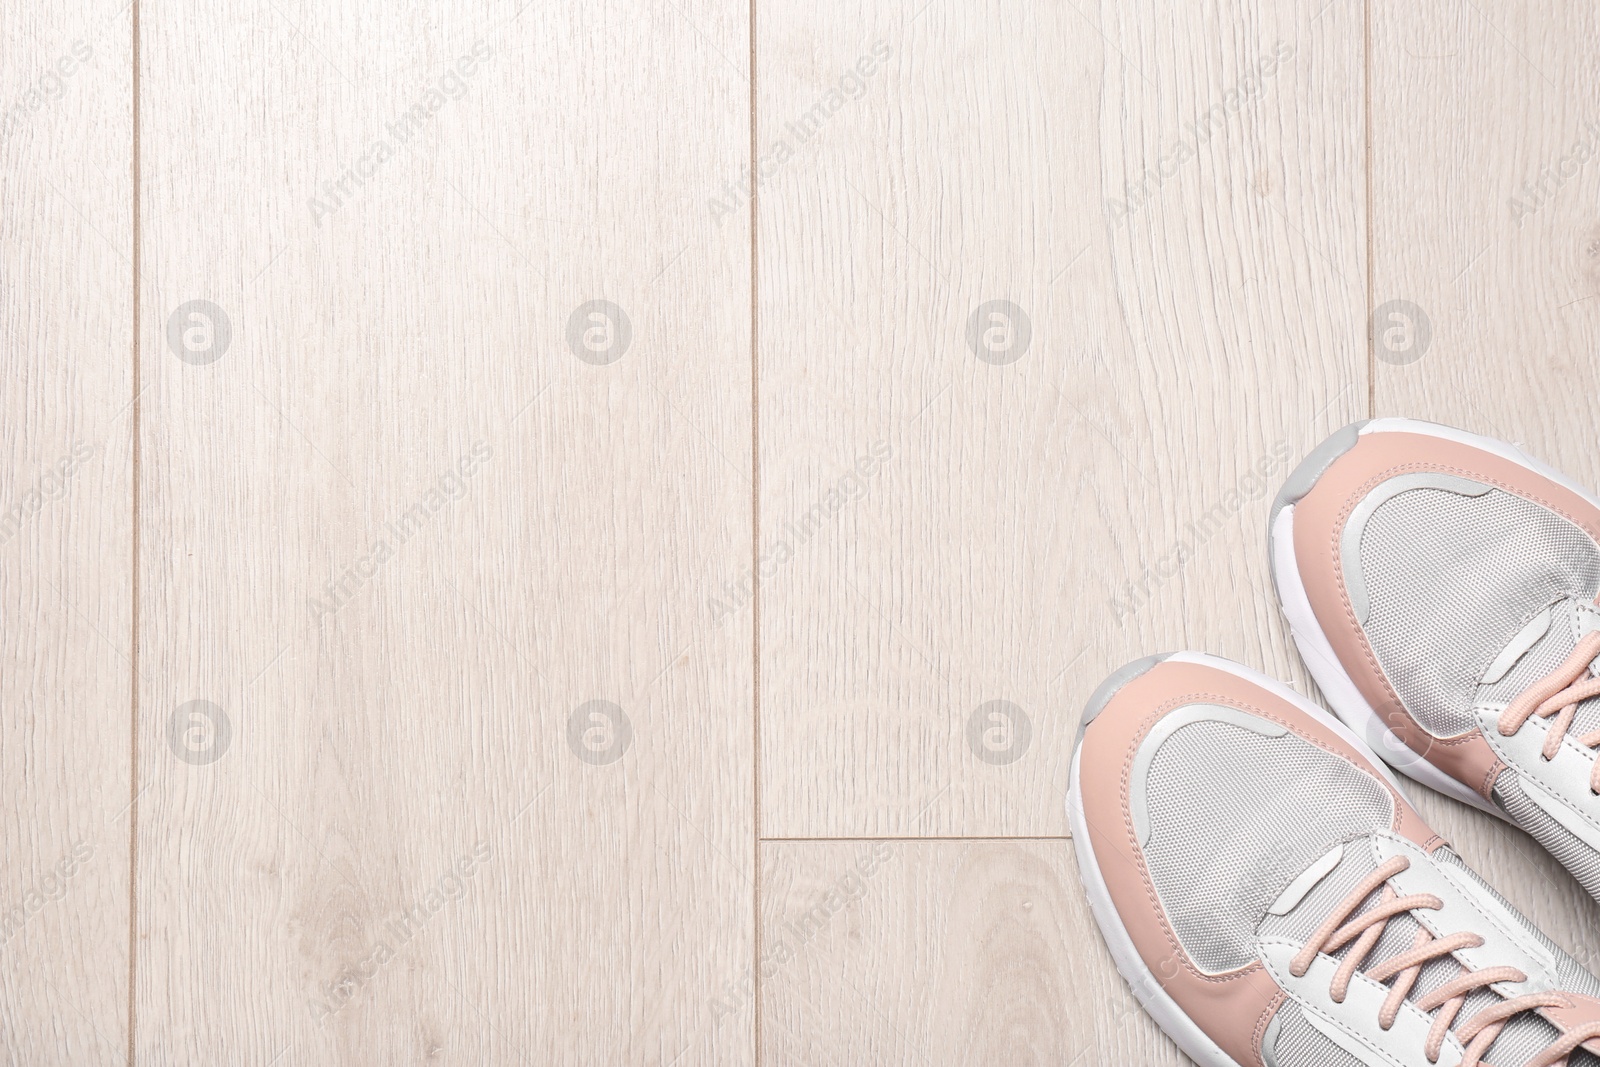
[(1478, 1032), (1559, 693)]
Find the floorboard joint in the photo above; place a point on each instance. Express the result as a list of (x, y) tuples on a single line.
[(133, 651), (755, 565)]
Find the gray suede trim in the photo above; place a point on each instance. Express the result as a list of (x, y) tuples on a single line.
[(1108, 688)]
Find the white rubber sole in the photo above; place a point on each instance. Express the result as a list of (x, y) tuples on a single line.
[(1147, 988), (1330, 675)]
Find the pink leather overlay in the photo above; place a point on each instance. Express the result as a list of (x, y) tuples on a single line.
[(1233, 1008), (1584, 1010), (1319, 519)]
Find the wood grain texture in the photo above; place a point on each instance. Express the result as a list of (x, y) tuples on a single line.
[(66, 255), (401, 536), (1172, 200), (1485, 181), (1485, 178), (940, 952), (411, 533)]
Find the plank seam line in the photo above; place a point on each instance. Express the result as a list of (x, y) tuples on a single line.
[(1366, 71), (137, 474), (755, 570)]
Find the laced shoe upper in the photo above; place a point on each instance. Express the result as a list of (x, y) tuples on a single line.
[(1236, 809), (1468, 1008), (1558, 695), (1542, 719), (1456, 585), (1281, 892), (1528, 573), (1450, 570)]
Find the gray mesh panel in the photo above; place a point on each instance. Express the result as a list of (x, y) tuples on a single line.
[(1587, 720), (1572, 853), (1302, 1045), (1541, 660), (1450, 580), (1234, 818), (1299, 924)]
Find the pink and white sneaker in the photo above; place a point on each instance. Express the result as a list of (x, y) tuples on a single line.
[(1274, 901), (1441, 588)]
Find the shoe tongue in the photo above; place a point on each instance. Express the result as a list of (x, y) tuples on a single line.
[(1536, 651), (1524, 1034)]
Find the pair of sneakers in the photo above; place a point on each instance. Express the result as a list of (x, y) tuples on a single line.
[(1260, 878)]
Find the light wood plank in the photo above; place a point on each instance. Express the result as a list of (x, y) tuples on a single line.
[(1486, 168), (296, 892), (940, 952), (66, 288), (1036, 523), (1485, 172)]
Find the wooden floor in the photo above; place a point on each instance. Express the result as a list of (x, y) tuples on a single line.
[(487, 577)]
